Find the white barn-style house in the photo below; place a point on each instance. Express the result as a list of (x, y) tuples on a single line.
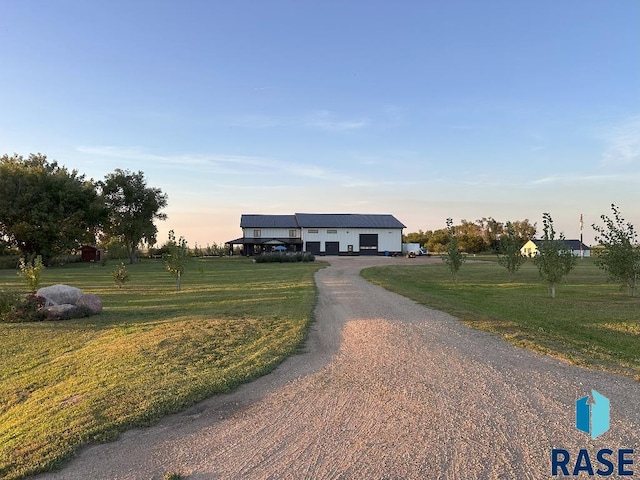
[(321, 234)]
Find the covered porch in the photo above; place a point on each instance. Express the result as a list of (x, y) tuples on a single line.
[(258, 246)]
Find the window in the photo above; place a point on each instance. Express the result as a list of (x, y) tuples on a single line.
[(257, 234), (293, 233), (332, 231), (313, 230)]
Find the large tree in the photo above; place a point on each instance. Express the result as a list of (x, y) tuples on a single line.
[(620, 257), (555, 258), (470, 237), (46, 209), (132, 207), (523, 230)]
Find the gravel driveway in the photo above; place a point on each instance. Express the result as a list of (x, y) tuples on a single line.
[(385, 388)]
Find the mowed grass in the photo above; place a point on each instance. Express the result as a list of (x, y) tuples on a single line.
[(152, 351), (591, 322)]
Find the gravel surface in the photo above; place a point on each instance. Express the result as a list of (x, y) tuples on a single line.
[(385, 389)]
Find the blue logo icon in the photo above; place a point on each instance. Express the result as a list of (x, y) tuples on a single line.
[(592, 417)]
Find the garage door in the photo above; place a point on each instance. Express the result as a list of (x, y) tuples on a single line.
[(332, 248), (313, 247), (368, 244)]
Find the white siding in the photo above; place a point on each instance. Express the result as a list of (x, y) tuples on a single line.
[(388, 239), (270, 232)]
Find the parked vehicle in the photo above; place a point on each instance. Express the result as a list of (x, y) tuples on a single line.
[(411, 249)]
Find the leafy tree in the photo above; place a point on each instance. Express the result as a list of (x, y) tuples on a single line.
[(491, 231), (46, 209), (509, 255), (453, 257), (418, 237), (523, 231), (620, 257), (438, 240), (132, 209), (175, 259), (470, 237), (554, 259)]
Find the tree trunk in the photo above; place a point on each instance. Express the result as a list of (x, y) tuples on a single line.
[(178, 281), (553, 290), (131, 250)]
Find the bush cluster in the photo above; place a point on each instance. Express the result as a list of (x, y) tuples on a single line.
[(9, 261), (285, 258), (15, 308)]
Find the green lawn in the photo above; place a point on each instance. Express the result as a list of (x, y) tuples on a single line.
[(151, 352), (590, 322)]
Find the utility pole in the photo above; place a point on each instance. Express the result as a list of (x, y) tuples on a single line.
[(581, 229)]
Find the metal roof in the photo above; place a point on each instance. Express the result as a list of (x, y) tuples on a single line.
[(347, 220), (320, 220), (571, 244), (268, 221)]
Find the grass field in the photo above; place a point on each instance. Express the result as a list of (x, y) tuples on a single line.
[(590, 322), (151, 352)]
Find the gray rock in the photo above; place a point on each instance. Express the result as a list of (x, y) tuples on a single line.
[(91, 303), (63, 312), (60, 294)]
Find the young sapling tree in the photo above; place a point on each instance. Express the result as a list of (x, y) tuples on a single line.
[(620, 257), (554, 259), (176, 258), (453, 257), (509, 255)]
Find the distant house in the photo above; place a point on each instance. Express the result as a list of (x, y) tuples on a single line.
[(530, 249), (320, 234), (91, 254)]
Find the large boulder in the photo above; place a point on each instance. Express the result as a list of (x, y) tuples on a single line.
[(91, 303), (60, 294), (63, 302), (63, 312)]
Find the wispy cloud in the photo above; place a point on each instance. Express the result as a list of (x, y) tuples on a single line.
[(325, 120), (230, 164), (624, 144), (257, 120), (316, 120), (574, 179)]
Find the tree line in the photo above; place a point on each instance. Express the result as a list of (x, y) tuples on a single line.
[(619, 255), (48, 210), (483, 235)]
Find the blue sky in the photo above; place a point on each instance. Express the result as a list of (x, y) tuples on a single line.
[(426, 110)]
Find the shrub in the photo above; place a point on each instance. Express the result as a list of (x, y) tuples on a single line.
[(8, 301), (13, 309), (285, 258), (30, 309), (31, 271), (9, 261), (120, 275)]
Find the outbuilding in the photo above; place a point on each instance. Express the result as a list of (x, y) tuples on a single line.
[(321, 234), (91, 254)]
